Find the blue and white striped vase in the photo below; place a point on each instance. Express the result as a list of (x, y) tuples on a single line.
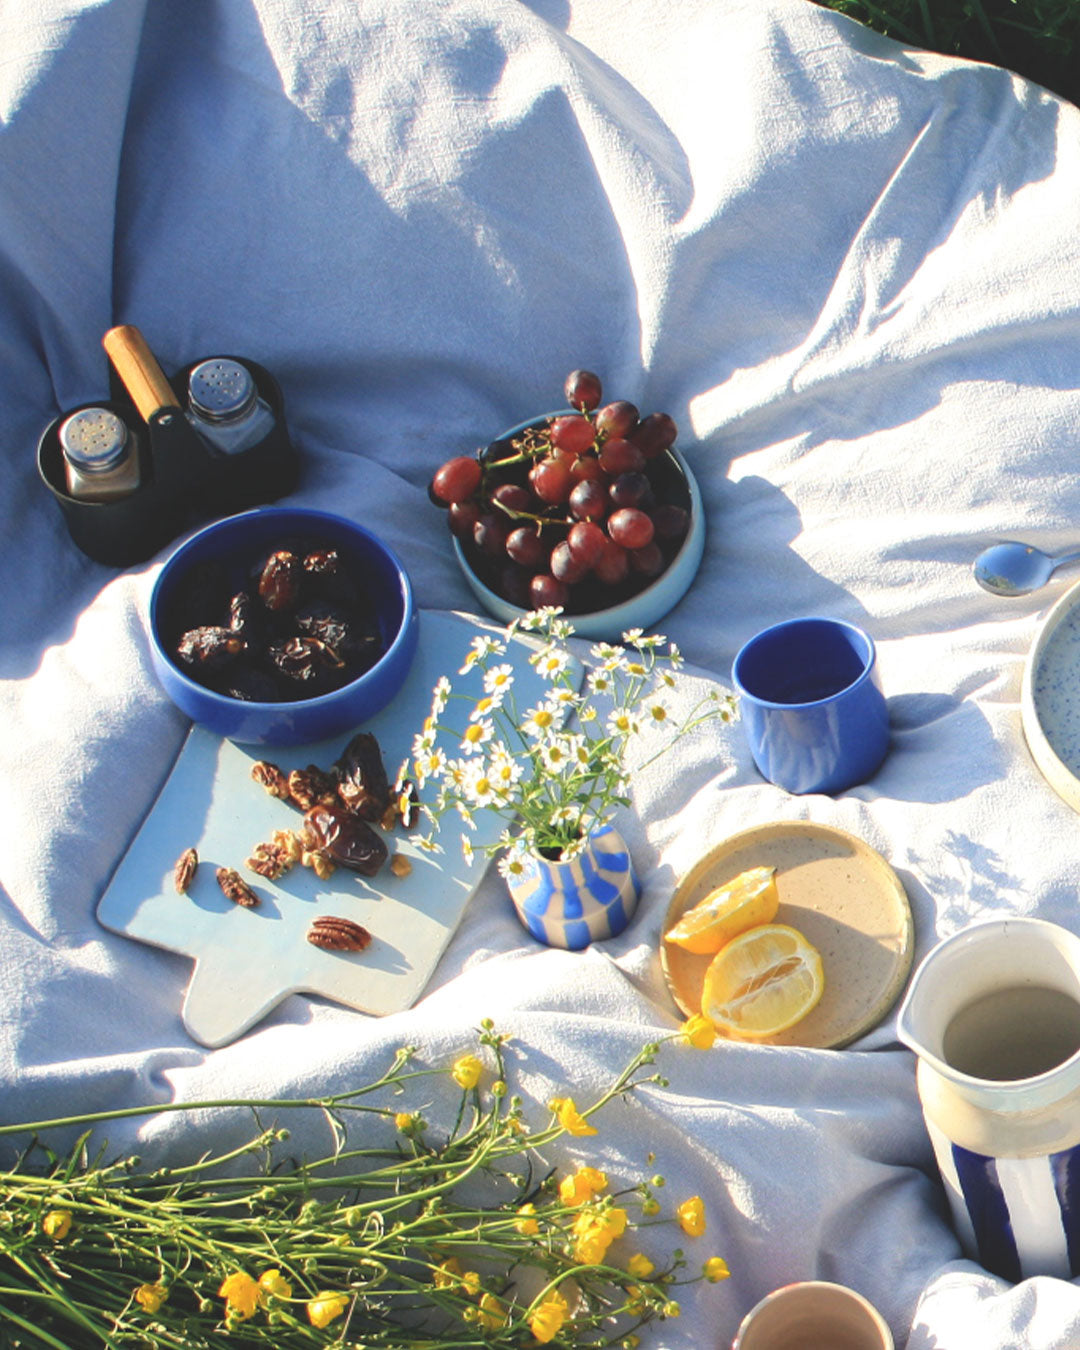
[(586, 899), (993, 1014)]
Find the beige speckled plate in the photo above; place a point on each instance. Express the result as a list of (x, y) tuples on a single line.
[(841, 894)]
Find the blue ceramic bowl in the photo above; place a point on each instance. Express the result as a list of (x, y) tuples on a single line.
[(641, 610), (237, 541)]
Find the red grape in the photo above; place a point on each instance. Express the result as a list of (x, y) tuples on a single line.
[(457, 479), (513, 496), (583, 390), (616, 419), (613, 564), (620, 456), (462, 518), (572, 433), (586, 541), (526, 546), (545, 590), (629, 489), (514, 585), (647, 561), (551, 480), (654, 434), (588, 466), (490, 533), (564, 566), (671, 521), (630, 527), (589, 500)]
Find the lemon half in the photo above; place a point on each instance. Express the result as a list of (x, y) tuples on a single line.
[(762, 982), (749, 900)]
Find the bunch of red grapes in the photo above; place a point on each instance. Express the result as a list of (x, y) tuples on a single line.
[(581, 510)]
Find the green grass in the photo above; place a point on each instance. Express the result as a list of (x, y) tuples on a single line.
[(1039, 39)]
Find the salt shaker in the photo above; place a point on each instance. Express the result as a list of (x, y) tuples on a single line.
[(225, 408), (101, 459)]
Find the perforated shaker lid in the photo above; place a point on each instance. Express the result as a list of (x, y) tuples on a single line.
[(93, 439), (221, 390)]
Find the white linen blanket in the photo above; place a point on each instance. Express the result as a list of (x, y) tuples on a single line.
[(848, 269)]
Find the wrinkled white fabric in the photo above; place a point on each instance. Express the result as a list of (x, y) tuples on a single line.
[(848, 269)]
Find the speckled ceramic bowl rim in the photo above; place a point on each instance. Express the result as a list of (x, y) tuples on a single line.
[(1056, 772), (641, 610)]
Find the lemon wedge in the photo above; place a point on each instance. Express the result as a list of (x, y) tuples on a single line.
[(762, 982), (749, 900)]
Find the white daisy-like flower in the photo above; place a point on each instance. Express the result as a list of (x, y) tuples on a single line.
[(666, 678), (440, 696), (429, 765), (599, 680), (656, 713), (455, 772), (578, 750), (675, 656), (539, 721), (504, 770), (464, 811), (467, 850), (512, 864), (554, 754), (622, 722), (479, 786), (423, 741), (476, 735), (498, 680), (485, 706), (632, 636), (603, 651), (635, 667), (482, 647), (425, 843), (587, 714), (551, 662), (561, 629), (564, 698)]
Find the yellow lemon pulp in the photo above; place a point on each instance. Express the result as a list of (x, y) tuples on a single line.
[(749, 900), (762, 982)]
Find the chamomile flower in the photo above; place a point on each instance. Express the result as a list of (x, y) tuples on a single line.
[(482, 649), (539, 721), (429, 765), (440, 696), (551, 662), (544, 617), (479, 785), (467, 851), (599, 680), (485, 706), (656, 713), (498, 680), (504, 770), (564, 699), (622, 722), (512, 864), (476, 735), (555, 754)]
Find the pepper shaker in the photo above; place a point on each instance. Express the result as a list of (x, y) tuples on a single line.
[(225, 408)]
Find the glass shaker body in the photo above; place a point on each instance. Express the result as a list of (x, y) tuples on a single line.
[(101, 460), (225, 408)]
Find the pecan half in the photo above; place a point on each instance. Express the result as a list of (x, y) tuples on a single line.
[(236, 888), (184, 871), (271, 778), (338, 935)]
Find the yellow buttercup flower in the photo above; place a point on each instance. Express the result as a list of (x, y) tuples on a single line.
[(150, 1297), (569, 1117), (273, 1283), (640, 1266), (699, 1032), (325, 1307), (471, 1282), (526, 1224), (448, 1273), (716, 1269), (547, 1321), (403, 1121), (241, 1294), (583, 1185), (57, 1224), (492, 1313), (691, 1215), (466, 1071), (595, 1231)]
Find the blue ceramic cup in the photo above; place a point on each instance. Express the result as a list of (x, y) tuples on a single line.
[(811, 704)]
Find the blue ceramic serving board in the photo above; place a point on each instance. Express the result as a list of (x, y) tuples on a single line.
[(248, 960)]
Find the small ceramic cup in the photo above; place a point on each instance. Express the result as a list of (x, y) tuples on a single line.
[(811, 704), (813, 1315)]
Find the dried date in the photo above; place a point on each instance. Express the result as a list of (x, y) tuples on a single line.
[(209, 647), (362, 783), (304, 660), (235, 888), (345, 839), (279, 581), (271, 778), (339, 935)]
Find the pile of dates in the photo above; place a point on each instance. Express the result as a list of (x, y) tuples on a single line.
[(581, 510), (293, 623)]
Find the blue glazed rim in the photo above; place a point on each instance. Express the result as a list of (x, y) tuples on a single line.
[(863, 646), (299, 719)]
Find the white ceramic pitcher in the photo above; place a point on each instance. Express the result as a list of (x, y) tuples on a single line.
[(993, 1014)]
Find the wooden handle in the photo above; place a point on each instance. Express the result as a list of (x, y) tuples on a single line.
[(139, 371)]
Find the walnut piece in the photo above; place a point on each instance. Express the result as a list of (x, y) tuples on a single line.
[(271, 778), (312, 787), (339, 935), (272, 860)]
